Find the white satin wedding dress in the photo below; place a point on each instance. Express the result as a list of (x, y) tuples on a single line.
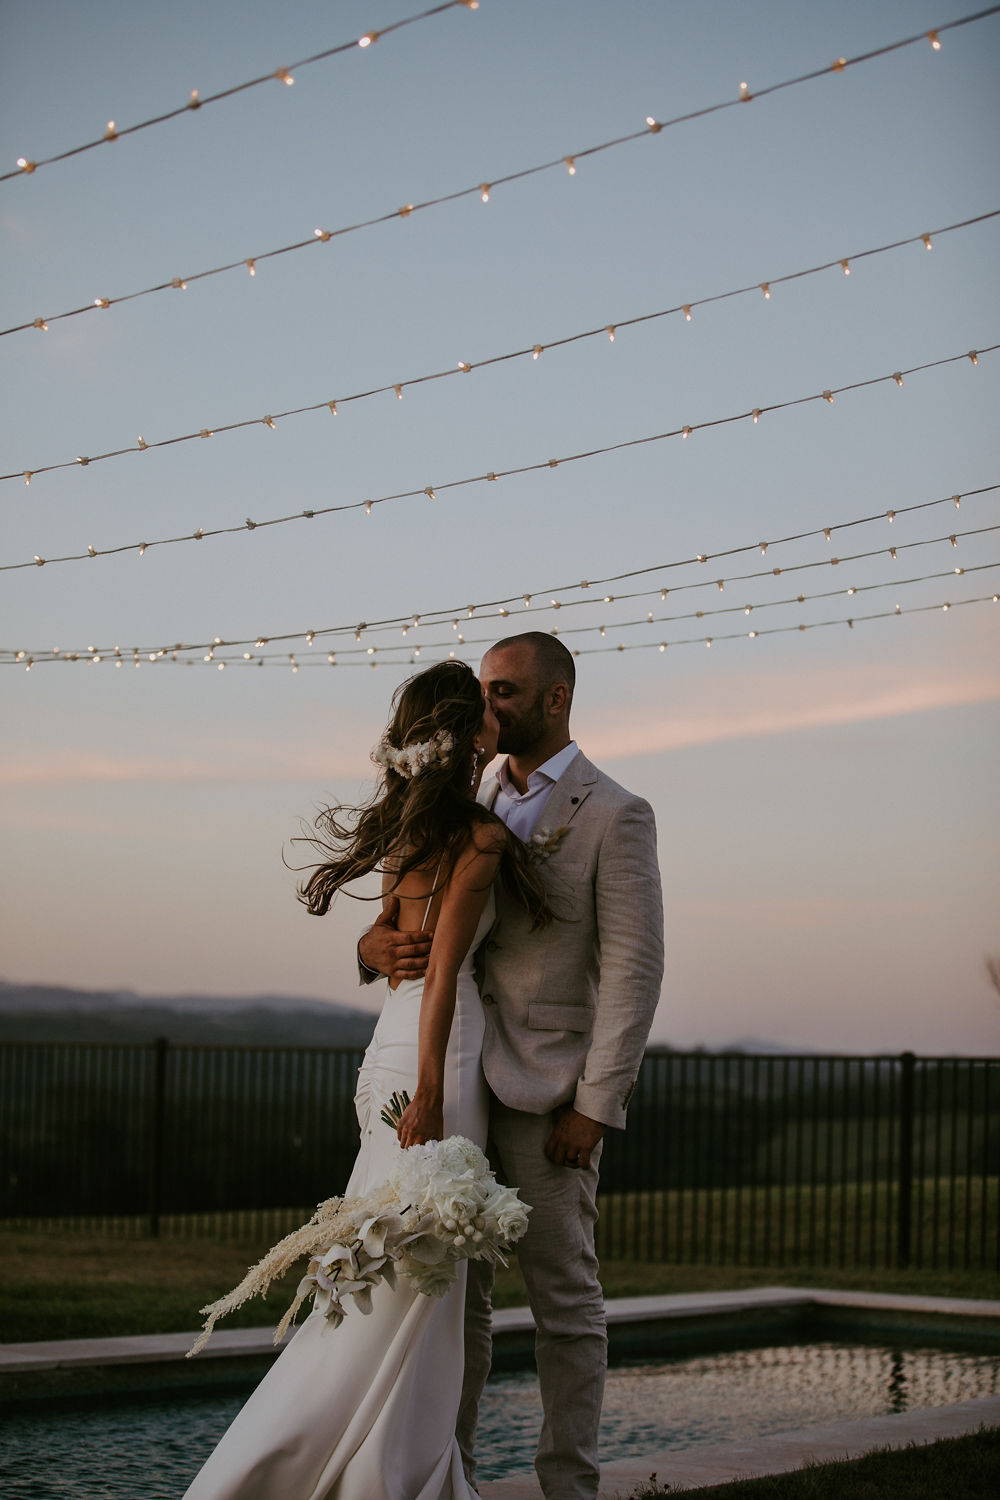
[(366, 1411)]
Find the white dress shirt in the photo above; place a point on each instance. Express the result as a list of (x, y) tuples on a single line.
[(522, 811)]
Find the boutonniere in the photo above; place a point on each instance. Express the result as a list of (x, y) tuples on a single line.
[(545, 841)]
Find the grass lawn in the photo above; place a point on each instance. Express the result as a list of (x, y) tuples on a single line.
[(966, 1467), (78, 1286)]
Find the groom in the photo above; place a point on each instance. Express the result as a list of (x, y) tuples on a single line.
[(568, 1010)]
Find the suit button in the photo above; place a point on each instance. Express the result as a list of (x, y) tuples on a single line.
[(488, 1000), (491, 946)]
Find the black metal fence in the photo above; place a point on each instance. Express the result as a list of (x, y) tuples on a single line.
[(728, 1158)]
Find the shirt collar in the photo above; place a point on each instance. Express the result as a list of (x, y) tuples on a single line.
[(550, 772)]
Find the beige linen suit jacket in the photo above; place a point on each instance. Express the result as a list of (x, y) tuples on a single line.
[(569, 1006)]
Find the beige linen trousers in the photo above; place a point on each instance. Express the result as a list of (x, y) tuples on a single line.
[(568, 1011)]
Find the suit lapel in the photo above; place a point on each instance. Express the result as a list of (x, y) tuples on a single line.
[(569, 794)]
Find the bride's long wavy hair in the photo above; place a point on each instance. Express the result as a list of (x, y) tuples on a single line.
[(418, 820)]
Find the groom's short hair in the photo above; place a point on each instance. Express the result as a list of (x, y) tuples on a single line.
[(555, 663)]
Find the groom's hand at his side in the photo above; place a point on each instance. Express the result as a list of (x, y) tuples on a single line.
[(386, 950), (573, 1138)]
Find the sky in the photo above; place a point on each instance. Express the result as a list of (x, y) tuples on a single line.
[(825, 798)]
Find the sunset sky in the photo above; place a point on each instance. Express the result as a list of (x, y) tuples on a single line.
[(826, 799)]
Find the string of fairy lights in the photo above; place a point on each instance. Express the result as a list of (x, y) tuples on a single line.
[(605, 330), (196, 100), (484, 190), (294, 664), (432, 491), (591, 593)]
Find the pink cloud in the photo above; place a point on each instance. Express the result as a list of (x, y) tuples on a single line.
[(795, 704)]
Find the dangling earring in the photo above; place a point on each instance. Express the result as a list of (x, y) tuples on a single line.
[(477, 756)]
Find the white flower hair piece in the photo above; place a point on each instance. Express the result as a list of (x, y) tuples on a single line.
[(411, 760)]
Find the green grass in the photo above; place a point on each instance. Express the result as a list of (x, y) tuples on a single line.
[(965, 1467), (824, 1224), (87, 1286)]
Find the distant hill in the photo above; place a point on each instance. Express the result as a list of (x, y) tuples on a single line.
[(52, 1013)]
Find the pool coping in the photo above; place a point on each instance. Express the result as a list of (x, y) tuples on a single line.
[(708, 1313), (778, 1453)]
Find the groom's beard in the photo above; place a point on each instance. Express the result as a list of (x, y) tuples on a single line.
[(518, 736)]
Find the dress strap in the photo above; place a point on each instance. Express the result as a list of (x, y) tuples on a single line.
[(430, 898)]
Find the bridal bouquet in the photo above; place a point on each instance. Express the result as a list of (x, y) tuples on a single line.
[(443, 1205)]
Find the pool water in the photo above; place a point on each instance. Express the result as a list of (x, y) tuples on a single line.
[(150, 1449)]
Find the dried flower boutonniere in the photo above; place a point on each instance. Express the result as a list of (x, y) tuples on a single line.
[(545, 841)]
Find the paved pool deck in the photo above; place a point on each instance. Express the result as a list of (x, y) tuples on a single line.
[(636, 1324)]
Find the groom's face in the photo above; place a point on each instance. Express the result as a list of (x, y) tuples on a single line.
[(513, 687)]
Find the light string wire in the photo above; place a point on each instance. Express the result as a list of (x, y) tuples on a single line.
[(26, 166), (484, 190), (535, 350), (432, 492), (434, 618), (661, 646)]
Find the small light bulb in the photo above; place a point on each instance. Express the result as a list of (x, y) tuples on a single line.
[(845, 266), (269, 422), (892, 553), (91, 550), (953, 540), (101, 302), (765, 287), (957, 501), (611, 331), (399, 392), (431, 494), (323, 234), (752, 635), (179, 283), (283, 76), (662, 646), (756, 414), (368, 507), (333, 408), (653, 125), (484, 191), (897, 377), (194, 100), (664, 593), (110, 132), (141, 443), (368, 38), (686, 432), (828, 397), (686, 310), (142, 548), (41, 325), (934, 40), (570, 165), (29, 475), (973, 357), (828, 533), (464, 367), (890, 516), (26, 165), (536, 351), (928, 242), (763, 547), (332, 658), (745, 93)]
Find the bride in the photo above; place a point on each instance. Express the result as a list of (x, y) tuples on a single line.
[(366, 1410)]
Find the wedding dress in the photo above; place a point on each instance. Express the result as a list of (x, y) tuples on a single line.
[(366, 1410)]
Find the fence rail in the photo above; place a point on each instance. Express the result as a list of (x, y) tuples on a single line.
[(728, 1158)]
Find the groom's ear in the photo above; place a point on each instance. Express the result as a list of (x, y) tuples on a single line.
[(559, 698)]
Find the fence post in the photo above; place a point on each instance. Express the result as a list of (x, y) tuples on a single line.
[(904, 1201), (157, 1122)]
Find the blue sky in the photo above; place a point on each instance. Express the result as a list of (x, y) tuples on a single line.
[(824, 799)]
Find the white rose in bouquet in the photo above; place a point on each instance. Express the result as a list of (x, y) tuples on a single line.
[(443, 1205)]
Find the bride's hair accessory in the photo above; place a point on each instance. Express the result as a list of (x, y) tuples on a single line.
[(411, 760)]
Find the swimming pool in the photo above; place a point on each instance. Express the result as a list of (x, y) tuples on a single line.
[(151, 1448)]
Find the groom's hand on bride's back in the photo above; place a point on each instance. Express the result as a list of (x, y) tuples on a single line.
[(386, 950)]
